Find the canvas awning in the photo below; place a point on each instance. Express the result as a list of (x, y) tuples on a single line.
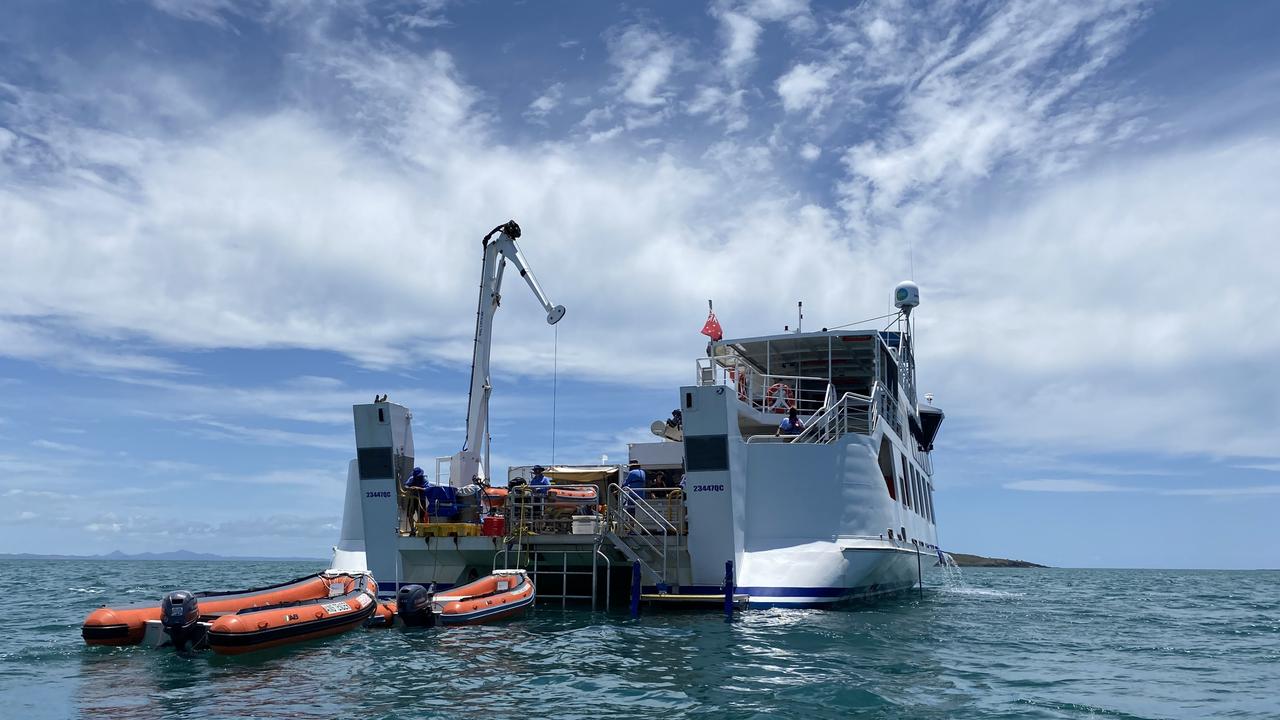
[(581, 474)]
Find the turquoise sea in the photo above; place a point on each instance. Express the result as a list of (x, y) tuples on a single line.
[(997, 644)]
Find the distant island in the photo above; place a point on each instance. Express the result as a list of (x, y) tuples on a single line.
[(185, 555), (965, 560)]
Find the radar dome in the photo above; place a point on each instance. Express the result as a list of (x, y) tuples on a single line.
[(906, 296)]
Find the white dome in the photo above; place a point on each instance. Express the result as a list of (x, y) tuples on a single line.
[(906, 295)]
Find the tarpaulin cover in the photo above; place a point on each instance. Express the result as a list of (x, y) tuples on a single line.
[(581, 474)]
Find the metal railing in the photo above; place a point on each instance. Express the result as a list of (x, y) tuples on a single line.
[(534, 567), (548, 509), (649, 521), (853, 413), (763, 391)]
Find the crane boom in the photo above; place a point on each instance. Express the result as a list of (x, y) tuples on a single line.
[(472, 460)]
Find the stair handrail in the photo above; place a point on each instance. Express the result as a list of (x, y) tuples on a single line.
[(620, 498), (834, 421)]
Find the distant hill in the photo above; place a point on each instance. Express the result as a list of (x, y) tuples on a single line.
[(175, 555), (965, 560)]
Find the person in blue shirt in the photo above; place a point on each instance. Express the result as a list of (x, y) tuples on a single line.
[(417, 482), (635, 480), (538, 479), (791, 424), (635, 477)]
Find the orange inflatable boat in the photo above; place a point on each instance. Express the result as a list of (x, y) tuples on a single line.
[(578, 496), (244, 620), (503, 594)]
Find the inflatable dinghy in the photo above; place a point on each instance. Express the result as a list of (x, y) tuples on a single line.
[(504, 594), (243, 620)]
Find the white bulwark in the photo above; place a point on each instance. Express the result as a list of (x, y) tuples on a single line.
[(840, 508)]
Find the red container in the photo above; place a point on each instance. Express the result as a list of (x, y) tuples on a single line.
[(494, 526)]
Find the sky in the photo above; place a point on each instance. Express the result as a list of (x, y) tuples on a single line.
[(224, 222)]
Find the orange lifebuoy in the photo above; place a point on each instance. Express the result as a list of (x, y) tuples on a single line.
[(779, 397)]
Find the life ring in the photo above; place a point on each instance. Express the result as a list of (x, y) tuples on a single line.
[(779, 397)]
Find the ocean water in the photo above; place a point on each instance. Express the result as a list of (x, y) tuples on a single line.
[(999, 644)]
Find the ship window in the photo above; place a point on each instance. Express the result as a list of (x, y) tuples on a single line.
[(886, 467), (688, 400), (706, 453), (906, 482), (381, 417)]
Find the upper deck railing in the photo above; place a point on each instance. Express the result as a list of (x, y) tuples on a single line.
[(764, 392), (852, 413)]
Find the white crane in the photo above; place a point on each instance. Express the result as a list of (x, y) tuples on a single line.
[(473, 460)]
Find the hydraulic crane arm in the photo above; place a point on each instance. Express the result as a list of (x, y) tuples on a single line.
[(499, 247)]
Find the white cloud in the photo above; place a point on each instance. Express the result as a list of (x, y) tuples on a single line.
[(1223, 492), (213, 12), (1063, 308), (741, 33), (810, 152), (1099, 313), (546, 102), (1010, 92), (645, 60), (804, 87), (1066, 486), (1090, 486)]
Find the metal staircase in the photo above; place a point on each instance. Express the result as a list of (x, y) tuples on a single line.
[(649, 529)]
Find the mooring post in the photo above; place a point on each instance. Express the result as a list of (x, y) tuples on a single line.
[(635, 589), (728, 589)]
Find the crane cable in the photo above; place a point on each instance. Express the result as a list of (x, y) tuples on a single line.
[(555, 373)]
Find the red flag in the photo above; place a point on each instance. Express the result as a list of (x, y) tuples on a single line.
[(712, 328)]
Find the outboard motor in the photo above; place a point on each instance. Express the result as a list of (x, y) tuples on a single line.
[(179, 616), (416, 606)]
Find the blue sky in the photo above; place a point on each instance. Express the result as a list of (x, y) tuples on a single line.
[(222, 223)]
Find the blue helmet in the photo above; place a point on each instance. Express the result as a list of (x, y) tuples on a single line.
[(417, 472)]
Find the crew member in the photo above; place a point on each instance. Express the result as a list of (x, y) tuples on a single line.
[(417, 481), (791, 424), (635, 477), (538, 479)]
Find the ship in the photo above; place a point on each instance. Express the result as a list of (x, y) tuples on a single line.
[(838, 508)]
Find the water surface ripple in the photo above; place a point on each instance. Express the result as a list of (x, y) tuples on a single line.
[(1004, 644)]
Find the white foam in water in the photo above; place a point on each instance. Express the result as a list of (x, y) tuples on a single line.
[(981, 592), (953, 583)]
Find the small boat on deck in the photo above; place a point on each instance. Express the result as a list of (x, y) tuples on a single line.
[(241, 621)]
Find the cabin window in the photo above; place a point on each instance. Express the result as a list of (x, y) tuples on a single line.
[(381, 417), (886, 467), (688, 400), (706, 453), (906, 482), (929, 485)]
